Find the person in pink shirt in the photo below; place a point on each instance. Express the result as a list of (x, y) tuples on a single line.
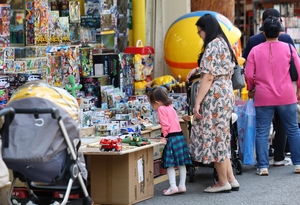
[(176, 152), (267, 70)]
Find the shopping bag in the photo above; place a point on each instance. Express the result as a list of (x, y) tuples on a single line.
[(250, 126)]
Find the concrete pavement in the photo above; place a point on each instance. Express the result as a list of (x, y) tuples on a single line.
[(281, 187)]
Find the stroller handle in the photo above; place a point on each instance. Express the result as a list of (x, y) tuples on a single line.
[(7, 111), (36, 111), (193, 77)]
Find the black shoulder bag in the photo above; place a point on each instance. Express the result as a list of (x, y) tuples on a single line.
[(293, 69)]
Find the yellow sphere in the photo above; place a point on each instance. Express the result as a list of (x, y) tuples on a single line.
[(182, 43)]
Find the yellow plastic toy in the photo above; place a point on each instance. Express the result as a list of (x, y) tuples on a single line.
[(182, 43), (166, 79)]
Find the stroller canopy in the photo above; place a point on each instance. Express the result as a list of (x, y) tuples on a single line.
[(39, 140)]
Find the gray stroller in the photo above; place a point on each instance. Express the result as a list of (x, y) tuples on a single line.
[(39, 142)]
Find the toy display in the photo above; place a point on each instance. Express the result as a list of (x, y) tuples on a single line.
[(111, 145), (135, 140), (4, 25)]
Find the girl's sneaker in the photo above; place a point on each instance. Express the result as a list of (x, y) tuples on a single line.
[(170, 191), (182, 189)]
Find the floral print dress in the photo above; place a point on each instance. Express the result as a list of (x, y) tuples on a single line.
[(210, 136)]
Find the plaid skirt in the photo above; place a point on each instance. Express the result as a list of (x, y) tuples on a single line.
[(175, 153)]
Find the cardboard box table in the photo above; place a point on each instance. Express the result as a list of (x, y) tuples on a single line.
[(124, 177)]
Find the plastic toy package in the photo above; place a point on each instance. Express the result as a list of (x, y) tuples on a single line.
[(9, 66), (31, 64), (86, 118), (75, 33), (64, 8), (54, 29), (30, 10), (107, 22), (2, 61), (108, 6), (122, 27), (40, 52), (86, 64), (56, 72), (5, 25), (9, 53), (122, 8), (91, 7), (20, 66), (74, 8), (30, 52), (41, 22), (63, 24)]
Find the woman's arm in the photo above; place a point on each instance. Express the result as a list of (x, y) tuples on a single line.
[(205, 84)]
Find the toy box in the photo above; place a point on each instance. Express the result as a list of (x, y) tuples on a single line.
[(4, 25), (41, 22), (108, 6), (122, 8), (63, 23), (147, 54), (91, 7), (74, 8), (54, 29)]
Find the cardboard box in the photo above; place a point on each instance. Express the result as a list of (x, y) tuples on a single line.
[(4, 194), (157, 150), (122, 179), (155, 134), (185, 130)]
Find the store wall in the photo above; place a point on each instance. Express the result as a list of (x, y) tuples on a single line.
[(225, 7), (160, 14)]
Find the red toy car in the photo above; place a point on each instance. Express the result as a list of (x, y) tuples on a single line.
[(111, 144)]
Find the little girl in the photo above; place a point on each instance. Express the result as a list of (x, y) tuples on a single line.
[(176, 152)]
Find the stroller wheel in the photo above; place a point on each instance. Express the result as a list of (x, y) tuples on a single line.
[(239, 167), (191, 173)]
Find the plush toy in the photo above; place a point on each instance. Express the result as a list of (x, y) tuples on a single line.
[(73, 87)]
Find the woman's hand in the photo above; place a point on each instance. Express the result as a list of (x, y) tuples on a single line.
[(186, 118), (191, 73), (251, 94), (163, 141), (298, 95), (196, 111)]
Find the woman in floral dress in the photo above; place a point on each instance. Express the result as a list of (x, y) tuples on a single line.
[(210, 134)]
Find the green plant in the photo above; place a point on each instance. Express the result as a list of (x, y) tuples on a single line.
[(73, 87)]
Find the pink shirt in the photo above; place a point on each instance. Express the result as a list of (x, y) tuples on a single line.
[(168, 120), (270, 63)]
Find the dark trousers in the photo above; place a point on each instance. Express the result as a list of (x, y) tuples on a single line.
[(280, 143)]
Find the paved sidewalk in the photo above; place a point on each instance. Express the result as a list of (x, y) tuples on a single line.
[(281, 187)]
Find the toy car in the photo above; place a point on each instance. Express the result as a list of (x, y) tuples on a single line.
[(111, 145)]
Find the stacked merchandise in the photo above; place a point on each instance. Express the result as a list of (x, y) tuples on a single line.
[(290, 12), (114, 31), (119, 114)]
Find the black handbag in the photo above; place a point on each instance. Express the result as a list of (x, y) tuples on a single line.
[(238, 81), (293, 69)]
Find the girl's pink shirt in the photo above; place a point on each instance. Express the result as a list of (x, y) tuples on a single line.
[(270, 63), (168, 120)]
